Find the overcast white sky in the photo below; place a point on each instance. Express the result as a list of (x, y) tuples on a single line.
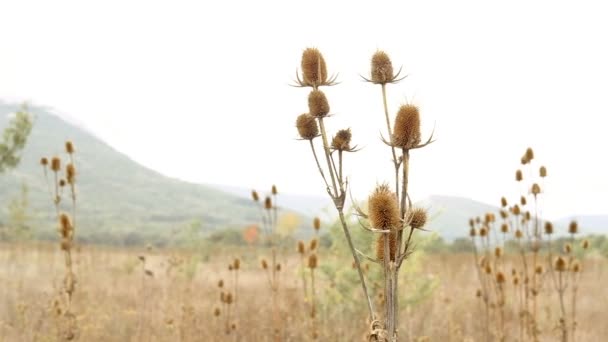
[(199, 90)]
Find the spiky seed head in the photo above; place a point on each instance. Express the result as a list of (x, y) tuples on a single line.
[(543, 172), (478, 293), (500, 278), (230, 268), (488, 218), (318, 106), (267, 203), (383, 209), (576, 267), (307, 126), (220, 283), (519, 234), (316, 223), (498, 252), (278, 267), (472, 232), (483, 232), (504, 228), (524, 160), (406, 132), (523, 201), (488, 269), (535, 189), (264, 264), (527, 215), (229, 298), (504, 214), (516, 210), (585, 244), (255, 196), (70, 172), (312, 261), (301, 247), (313, 244), (573, 227), (567, 248), (55, 164), (382, 68), (314, 70), (529, 154), (518, 176), (341, 141), (503, 202), (471, 223), (417, 218), (392, 246), (44, 161), (216, 312), (560, 264), (548, 228), (69, 147), (65, 225), (539, 269), (233, 326), (142, 258), (516, 281), (62, 183), (236, 264), (274, 190)]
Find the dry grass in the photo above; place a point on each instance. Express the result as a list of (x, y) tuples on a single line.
[(110, 296)]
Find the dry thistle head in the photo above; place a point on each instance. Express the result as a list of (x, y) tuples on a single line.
[(548, 228), (273, 190), (313, 244), (516, 281), (528, 215), (384, 209), (220, 283), (229, 298), (55, 164), (65, 225), (69, 147), (312, 261), (255, 196), (62, 183), (278, 267), (416, 218), (264, 264), (519, 234), (585, 244), (488, 269), (70, 172), (518, 176), (542, 172), (314, 70), (516, 210), (576, 267), (382, 68), (406, 132), (500, 278), (236, 264), (392, 245), (560, 264), (472, 232), (341, 141), (267, 203), (307, 126), (503, 202), (529, 154), (504, 214), (44, 161), (498, 252), (567, 248), (316, 224), (478, 293), (471, 223), (523, 200), (539, 269), (230, 267), (483, 231), (301, 247), (318, 106), (216, 312), (524, 160), (535, 189), (573, 227), (504, 228)]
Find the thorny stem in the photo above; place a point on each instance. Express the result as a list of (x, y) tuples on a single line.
[(390, 135), (314, 153), (328, 157)]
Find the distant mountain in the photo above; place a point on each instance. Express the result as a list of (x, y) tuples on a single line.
[(115, 193)]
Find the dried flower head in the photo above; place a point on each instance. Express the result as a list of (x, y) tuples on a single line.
[(548, 228), (382, 68), (392, 244), (69, 147), (498, 252), (312, 261), (539, 269), (70, 172), (65, 225), (267, 203), (406, 133), (576, 267), (560, 264), (573, 227), (341, 141), (585, 244), (216, 312), (488, 269), (543, 172), (483, 231), (472, 232), (318, 106), (307, 126), (535, 189), (236, 264), (503, 202), (44, 161), (278, 267), (255, 196), (516, 210), (301, 247), (55, 164), (316, 223), (62, 183), (264, 264), (523, 201), (504, 228), (516, 281), (518, 176), (384, 209), (220, 283), (416, 218), (529, 154), (314, 70), (313, 244), (500, 278), (471, 223), (478, 293), (273, 190), (519, 234), (504, 214), (567, 248)]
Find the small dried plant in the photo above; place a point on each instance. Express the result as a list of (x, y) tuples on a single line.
[(308, 263), (57, 180)]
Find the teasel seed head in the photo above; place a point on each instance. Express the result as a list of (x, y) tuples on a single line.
[(478, 219), (543, 172), (341, 141), (529, 154), (236, 264), (274, 190), (417, 218), (523, 201), (518, 176), (504, 214), (65, 225), (503, 202), (519, 234), (301, 247), (384, 209), (535, 189), (55, 164), (471, 223), (255, 196), (62, 183), (316, 224), (264, 264), (500, 278), (527, 215), (516, 281), (524, 160), (69, 147), (220, 283), (44, 161), (560, 264), (229, 298), (307, 126), (313, 244), (483, 232), (504, 228), (539, 269), (314, 70), (478, 293), (230, 268), (567, 248), (278, 267), (318, 106), (498, 252), (548, 228), (392, 245), (573, 227), (70, 172), (472, 232), (516, 210), (216, 312), (488, 269), (585, 244), (382, 68), (267, 203), (312, 261), (406, 132), (576, 267)]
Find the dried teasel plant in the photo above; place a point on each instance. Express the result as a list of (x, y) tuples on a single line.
[(67, 231)]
